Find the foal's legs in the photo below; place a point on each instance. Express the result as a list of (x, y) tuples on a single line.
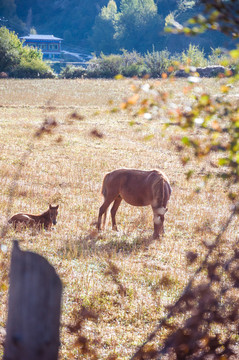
[(114, 210)]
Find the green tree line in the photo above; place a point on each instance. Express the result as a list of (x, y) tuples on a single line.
[(21, 61), (108, 25)]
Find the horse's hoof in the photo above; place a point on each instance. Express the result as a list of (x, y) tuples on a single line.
[(155, 236)]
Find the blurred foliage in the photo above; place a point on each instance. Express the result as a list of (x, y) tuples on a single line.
[(204, 321), (215, 119), (219, 15)]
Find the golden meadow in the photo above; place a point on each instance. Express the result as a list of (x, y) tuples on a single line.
[(66, 166)]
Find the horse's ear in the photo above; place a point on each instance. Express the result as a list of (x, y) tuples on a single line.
[(50, 206), (57, 206)]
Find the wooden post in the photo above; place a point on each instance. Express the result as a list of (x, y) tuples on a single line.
[(33, 308)]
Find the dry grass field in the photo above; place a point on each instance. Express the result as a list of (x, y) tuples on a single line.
[(66, 167)]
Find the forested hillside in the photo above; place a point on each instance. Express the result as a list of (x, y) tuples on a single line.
[(108, 25)]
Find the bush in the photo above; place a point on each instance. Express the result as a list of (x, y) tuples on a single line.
[(19, 61), (157, 62), (104, 66), (72, 72), (133, 70), (194, 57), (132, 64), (34, 68), (128, 64)]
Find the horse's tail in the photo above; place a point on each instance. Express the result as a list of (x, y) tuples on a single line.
[(104, 193), (104, 187), (166, 192), (162, 191)]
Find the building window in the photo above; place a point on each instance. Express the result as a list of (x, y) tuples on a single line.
[(53, 47), (43, 46)]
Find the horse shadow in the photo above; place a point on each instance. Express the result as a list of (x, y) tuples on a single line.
[(101, 243)]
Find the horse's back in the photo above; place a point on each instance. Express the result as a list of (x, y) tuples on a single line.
[(135, 186), (21, 219), (135, 176)]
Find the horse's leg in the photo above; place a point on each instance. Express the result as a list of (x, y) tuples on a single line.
[(158, 221), (103, 210), (114, 210)]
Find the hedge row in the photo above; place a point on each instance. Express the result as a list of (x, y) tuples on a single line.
[(153, 63)]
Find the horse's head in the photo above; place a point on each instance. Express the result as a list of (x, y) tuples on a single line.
[(53, 213)]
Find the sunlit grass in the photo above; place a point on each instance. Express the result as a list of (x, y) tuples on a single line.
[(67, 168)]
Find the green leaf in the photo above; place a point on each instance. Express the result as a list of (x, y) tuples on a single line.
[(189, 174), (223, 161), (204, 99), (185, 140)]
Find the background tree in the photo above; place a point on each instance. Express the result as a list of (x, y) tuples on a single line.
[(139, 25), (10, 50), (103, 33), (19, 61)]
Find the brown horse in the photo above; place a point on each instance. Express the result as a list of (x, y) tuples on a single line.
[(45, 219), (138, 188)]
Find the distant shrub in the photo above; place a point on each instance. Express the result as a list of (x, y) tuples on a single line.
[(104, 66), (193, 56), (157, 62), (72, 72), (21, 61), (153, 63), (132, 64), (34, 68), (133, 70), (107, 66)]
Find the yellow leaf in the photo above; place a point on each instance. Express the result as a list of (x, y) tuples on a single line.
[(119, 77), (216, 126), (123, 105), (224, 89), (234, 53), (133, 99), (148, 137)]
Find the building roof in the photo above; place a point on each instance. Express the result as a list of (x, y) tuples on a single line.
[(40, 37)]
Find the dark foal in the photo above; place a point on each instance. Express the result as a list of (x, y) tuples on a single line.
[(138, 188), (44, 220)]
